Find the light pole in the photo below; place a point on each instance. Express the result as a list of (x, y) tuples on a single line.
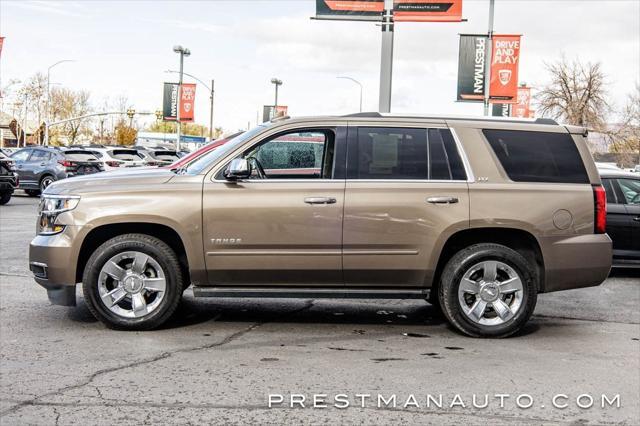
[(48, 119), (211, 93), (358, 83), (277, 83), (183, 51)]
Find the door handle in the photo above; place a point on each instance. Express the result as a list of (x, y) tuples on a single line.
[(19, 166), (320, 200), (43, 164), (637, 218), (442, 200)]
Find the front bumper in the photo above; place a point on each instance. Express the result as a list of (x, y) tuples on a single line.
[(8, 183), (576, 262), (52, 259)]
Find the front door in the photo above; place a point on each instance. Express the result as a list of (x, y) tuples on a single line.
[(406, 189), (283, 226), (619, 222)]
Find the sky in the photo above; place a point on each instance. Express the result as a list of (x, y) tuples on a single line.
[(124, 48)]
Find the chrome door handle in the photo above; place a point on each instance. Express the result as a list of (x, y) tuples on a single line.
[(442, 200), (637, 218), (320, 200)]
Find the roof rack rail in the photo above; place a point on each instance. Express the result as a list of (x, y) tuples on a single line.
[(545, 121), (364, 115)]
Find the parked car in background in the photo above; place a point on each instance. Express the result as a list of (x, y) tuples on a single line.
[(636, 169), (38, 167), (158, 157), (623, 216), (607, 166), (8, 178), (190, 157), (478, 216), (114, 158)]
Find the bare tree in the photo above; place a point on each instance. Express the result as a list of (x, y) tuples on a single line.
[(67, 103), (576, 94), (625, 138)]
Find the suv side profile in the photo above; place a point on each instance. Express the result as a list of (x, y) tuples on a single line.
[(477, 216)]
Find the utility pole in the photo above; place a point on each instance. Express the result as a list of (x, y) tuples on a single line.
[(211, 112), (386, 62), (358, 83), (277, 83), (48, 114), (183, 51), (488, 59)]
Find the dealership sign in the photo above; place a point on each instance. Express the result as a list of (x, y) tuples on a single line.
[(427, 10), (170, 102), (471, 67), (522, 107), (501, 110), (505, 58), (403, 10)]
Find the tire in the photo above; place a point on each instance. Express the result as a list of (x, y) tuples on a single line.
[(469, 271), (4, 198), (46, 181), (32, 192), (135, 282)]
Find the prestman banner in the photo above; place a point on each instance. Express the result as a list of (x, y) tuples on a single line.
[(471, 67), (427, 11)]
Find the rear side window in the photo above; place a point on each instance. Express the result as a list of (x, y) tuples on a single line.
[(538, 156), (405, 153)]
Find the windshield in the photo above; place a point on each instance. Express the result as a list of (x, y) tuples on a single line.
[(203, 162)]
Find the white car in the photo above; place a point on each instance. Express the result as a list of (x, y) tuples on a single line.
[(114, 158)]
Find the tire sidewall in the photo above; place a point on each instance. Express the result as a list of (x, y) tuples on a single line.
[(107, 251), (460, 264), (46, 178)]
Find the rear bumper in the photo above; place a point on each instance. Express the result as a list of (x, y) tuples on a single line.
[(52, 259), (576, 262)]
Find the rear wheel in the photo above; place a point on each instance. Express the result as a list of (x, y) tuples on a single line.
[(4, 198), (46, 181), (488, 290), (133, 282)]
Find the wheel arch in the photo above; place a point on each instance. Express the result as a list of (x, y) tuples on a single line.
[(519, 240), (100, 234)]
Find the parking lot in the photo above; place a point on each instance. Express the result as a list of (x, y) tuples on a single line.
[(218, 360)]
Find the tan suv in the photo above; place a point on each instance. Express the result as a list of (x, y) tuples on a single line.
[(475, 215)]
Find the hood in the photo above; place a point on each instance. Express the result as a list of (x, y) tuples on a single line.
[(106, 181)]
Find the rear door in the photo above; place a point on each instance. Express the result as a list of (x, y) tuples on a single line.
[(406, 191), (36, 165)]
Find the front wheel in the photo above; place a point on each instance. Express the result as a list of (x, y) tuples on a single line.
[(4, 198), (133, 282), (488, 290)]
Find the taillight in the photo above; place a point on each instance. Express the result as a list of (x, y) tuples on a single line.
[(65, 163), (600, 209), (113, 163)]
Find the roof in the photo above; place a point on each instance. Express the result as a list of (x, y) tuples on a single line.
[(609, 173)]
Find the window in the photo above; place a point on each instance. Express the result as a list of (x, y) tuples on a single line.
[(631, 190), (21, 155), (296, 155), (39, 155), (406, 153), (125, 154), (538, 156), (611, 193)]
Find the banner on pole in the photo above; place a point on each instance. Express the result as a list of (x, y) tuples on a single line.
[(187, 102), (471, 67), (1, 43), (522, 107), (501, 110), (427, 10), (170, 102), (505, 59), (350, 9)]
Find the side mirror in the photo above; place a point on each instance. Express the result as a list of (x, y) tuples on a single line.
[(239, 168)]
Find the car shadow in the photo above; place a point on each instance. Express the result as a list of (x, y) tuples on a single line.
[(625, 272)]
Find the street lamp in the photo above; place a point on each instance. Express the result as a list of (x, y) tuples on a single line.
[(277, 83), (211, 93), (183, 51), (358, 83), (48, 119)]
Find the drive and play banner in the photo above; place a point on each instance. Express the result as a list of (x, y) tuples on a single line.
[(170, 102), (505, 58), (505, 54), (403, 10)]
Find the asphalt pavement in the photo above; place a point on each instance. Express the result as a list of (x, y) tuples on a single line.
[(219, 360)]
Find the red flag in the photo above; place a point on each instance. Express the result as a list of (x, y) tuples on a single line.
[(505, 59), (1, 43), (187, 101)]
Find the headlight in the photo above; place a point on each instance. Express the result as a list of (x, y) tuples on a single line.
[(49, 209)]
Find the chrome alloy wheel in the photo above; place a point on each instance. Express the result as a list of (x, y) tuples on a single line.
[(490, 293), (131, 284)]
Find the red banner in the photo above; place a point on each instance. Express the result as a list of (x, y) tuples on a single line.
[(187, 101), (522, 108), (505, 59), (427, 10), (1, 43)]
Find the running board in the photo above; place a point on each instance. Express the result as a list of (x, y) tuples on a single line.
[(313, 293)]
